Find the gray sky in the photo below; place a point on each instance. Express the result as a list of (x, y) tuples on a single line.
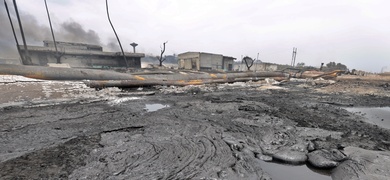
[(353, 32)]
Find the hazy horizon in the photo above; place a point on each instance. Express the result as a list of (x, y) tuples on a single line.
[(354, 33)]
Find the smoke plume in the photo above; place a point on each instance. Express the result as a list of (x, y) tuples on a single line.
[(7, 42), (35, 33), (113, 45), (73, 31)]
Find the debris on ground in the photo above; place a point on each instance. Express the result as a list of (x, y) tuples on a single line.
[(66, 130)]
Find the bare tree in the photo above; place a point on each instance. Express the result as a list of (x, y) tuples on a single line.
[(248, 62), (300, 64), (160, 58)]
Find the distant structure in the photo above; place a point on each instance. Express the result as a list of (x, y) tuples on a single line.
[(386, 69), (80, 55), (259, 66), (9, 61), (205, 61)]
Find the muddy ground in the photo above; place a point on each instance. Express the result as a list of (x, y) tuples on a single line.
[(201, 132)]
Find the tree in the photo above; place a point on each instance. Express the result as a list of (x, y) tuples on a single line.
[(300, 64), (331, 65), (160, 58), (334, 65), (248, 62)]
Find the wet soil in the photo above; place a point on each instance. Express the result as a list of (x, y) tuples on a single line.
[(202, 132)]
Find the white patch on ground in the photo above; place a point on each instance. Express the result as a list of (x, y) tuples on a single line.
[(265, 87), (116, 101), (15, 78)]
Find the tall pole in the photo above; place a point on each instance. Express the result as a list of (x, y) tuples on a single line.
[(294, 56), (27, 57), (120, 45), (134, 45), (13, 31), (57, 56)]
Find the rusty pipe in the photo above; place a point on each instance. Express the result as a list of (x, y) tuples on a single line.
[(189, 76), (54, 73), (138, 83), (153, 82)]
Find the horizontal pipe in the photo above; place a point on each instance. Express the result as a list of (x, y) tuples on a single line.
[(369, 78), (101, 78), (138, 83), (190, 76), (57, 73)]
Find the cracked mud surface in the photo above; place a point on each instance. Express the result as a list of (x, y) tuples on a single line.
[(221, 133)]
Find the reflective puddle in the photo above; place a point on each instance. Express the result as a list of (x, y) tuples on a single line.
[(377, 115), (293, 172), (154, 107)]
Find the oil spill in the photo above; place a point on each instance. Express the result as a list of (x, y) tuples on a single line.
[(279, 171), (377, 115)]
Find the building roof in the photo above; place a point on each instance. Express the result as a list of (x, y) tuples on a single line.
[(189, 52), (62, 43), (79, 51), (229, 57)]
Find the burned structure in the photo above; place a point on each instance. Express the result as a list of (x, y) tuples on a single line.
[(259, 66), (80, 55), (205, 61)]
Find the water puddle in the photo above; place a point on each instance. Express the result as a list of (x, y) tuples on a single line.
[(293, 172), (154, 107), (377, 115)]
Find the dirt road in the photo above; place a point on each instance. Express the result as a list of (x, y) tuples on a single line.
[(197, 132)]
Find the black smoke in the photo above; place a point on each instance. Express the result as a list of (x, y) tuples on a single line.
[(113, 45), (7, 42), (74, 32), (35, 33)]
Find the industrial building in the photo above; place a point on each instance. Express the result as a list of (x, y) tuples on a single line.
[(259, 66), (79, 55), (9, 61), (205, 61)]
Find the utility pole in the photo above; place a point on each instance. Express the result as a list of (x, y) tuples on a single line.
[(112, 26), (27, 57), (57, 55), (294, 56), (13, 31)]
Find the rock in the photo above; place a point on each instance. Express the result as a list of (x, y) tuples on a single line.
[(292, 157), (264, 157), (363, 164), (325, 159), (311, 146)]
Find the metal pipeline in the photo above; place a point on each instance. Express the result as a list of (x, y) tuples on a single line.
[(138, 83), (178, 78), (191, 76), (53, 73)]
